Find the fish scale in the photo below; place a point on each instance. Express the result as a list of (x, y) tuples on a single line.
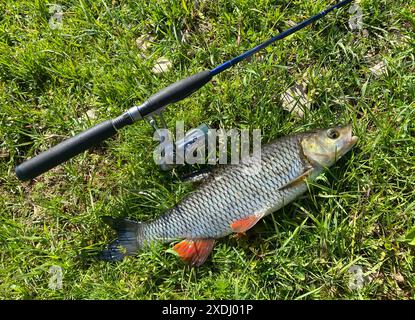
[(216, 204), (235, 197)]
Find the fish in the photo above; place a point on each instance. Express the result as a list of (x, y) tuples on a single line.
[(235, 197)]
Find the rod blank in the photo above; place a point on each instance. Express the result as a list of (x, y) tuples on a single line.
[(173, 93)]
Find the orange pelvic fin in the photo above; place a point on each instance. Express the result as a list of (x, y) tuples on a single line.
[(245, 224), (194, 252)]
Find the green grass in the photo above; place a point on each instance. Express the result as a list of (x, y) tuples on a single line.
[(357, 214)]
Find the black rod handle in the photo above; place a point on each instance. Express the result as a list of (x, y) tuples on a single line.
[(174, 92), (84, 140), (69, 148)]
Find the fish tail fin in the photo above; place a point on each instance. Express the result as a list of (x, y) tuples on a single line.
[(128, 242)]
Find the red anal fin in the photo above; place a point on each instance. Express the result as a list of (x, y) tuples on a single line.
[(245, 224), (194, 252)]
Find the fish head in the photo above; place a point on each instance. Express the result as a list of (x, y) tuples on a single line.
[(324, 147)]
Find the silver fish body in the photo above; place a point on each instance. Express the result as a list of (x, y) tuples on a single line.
[(235, 197), (235, 192)]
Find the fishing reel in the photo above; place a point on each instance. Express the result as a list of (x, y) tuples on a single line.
[(170, 153), (149, 110)]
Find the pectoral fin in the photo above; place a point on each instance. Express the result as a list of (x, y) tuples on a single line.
[(194, 252), (295, 182)]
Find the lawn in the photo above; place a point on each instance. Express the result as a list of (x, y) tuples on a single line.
[(62, 73)]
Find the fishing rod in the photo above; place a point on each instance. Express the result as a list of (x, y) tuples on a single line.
[(152, 106)]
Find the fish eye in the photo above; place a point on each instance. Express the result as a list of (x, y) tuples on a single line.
[(333, 134)]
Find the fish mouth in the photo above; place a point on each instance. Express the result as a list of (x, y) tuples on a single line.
[(351, 140)]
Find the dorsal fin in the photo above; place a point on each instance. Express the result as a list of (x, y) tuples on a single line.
[(198, 176)]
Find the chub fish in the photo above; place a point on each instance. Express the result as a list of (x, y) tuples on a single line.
[(235, 197)]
